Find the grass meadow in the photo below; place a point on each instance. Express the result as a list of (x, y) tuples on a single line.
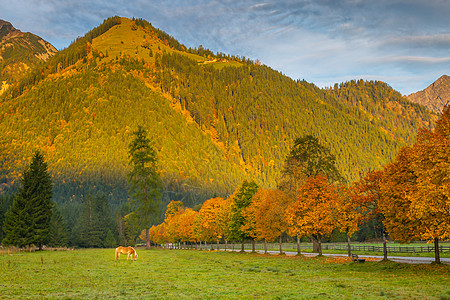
[(194, 274)]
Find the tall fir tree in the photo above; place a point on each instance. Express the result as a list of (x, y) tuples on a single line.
[(145, 182), (28, 220)]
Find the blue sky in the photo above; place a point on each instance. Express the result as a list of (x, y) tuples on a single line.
[(405, 43)]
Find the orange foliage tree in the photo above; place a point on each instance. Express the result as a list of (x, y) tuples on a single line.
[(207, 222), (397, 186), (347, 213), (366, 193), (172, 220), (311, 214), (430, 203), (186, 226), (266, 212)]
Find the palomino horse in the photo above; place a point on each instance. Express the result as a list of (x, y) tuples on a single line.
[(126, 250)]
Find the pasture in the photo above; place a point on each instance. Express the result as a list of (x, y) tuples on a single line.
[(161, 274)]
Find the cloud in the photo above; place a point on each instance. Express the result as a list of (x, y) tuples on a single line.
[(322, 41)]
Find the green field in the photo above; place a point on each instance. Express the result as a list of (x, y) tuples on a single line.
[(159, 274)]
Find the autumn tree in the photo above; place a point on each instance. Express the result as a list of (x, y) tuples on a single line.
[(172, 220), (28, 220), (307, 158), (311, 214), (241, 199), (267, 211), (430, 202), (186, 227), (145, 182), (397, 187), (347, 213), (223, 219), (366, 193), (208, 227)]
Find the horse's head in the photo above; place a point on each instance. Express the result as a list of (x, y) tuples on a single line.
[(135, 255)]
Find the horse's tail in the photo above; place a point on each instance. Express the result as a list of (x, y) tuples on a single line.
[(135, 253), (117, 253)]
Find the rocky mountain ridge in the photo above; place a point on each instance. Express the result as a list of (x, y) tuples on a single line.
[(20, 52), (435, 96)]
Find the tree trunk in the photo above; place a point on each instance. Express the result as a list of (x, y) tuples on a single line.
[(298, 245), (147, 237), (218, 244), (437, 257), (317, 239), (384, 247), (315, 244), (281, 245), (349, 249), (265, 246), (242, 246), (253, 246), (226, 244)]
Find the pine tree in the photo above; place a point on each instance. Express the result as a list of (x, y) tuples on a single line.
[(145, 182), (28, 220)]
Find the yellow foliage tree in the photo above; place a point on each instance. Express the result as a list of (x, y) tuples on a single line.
[(207, 222), (186, 227), (267, 212), (311, 214)]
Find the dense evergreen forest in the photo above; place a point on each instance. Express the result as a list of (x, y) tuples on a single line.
[(214, 119)]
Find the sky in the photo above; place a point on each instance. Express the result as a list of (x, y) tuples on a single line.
[(404, 43)]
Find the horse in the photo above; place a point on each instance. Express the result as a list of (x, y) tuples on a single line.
[(126, 250)]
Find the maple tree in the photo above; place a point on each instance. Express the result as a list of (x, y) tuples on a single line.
[(430, 202), (311, 214), (172, 220), (347, 213), (186, 226), (223, 219), (266, 212), (366, 193), (397, 186), (206, 222)]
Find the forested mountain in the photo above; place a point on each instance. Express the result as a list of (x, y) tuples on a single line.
[(215, 119), (435, 96), (20, 52)]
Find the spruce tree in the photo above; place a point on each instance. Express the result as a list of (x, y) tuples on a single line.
[(28, 220), (145, 182)]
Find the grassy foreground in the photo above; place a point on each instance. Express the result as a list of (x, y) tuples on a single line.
[(93, 273)]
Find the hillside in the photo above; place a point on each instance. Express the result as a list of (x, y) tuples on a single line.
[(20, 52), (214, 119), (435, 96)]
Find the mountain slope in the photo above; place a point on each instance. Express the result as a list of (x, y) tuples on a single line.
[(20, 52), (214, 119), (435, 96)]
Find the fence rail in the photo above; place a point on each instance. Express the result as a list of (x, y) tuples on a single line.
[(303, 246)]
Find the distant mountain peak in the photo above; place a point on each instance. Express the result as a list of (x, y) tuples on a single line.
[(7, 30), (20, 52), (435, 96)]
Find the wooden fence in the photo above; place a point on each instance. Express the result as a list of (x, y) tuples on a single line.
[(304, 246)]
